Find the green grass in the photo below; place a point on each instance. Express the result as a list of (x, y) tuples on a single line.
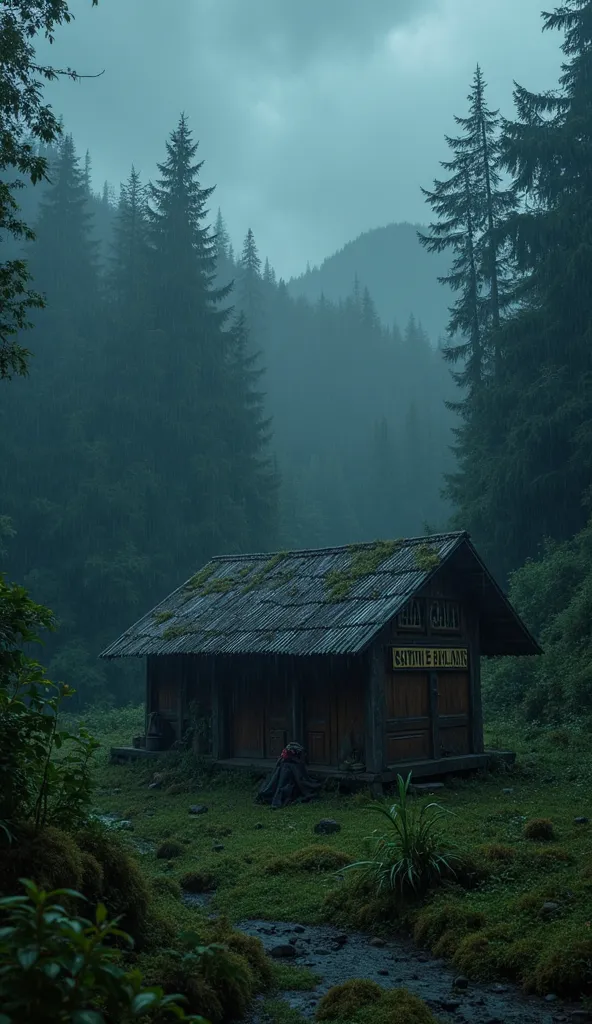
[(512, 938)]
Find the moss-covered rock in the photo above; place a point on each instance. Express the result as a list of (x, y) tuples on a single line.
[(198, 881), (342, 1002), (169, 850), (309, 858), (123, 888), (539, 829), (50, 857), (564, 969), (362, 1001)]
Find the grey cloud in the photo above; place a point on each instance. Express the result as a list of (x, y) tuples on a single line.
[(311, 131), (289, 35)]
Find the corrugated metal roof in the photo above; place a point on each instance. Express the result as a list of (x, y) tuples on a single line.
[(324, 601)]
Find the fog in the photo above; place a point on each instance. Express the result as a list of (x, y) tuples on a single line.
[(317, 121)]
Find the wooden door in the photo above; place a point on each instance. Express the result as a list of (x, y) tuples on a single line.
[(317, 723), (454, 713), (278, 714), (409, 724), (351, 724), (248, 718)]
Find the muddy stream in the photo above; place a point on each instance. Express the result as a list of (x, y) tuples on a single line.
[(336, 956)]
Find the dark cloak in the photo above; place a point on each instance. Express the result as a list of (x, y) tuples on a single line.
[(289, 781)]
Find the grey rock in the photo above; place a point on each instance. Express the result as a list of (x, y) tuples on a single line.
[(508, 791), (299, 928), (378, 943), (499, 988), (326, 827), (198, 809), (341, 939), (461, 982), (383, 970), (581, 820), (154, 785), (549, 908), (217, 847), (451, 1005), (551, 998), (283, 952), (259, 825)]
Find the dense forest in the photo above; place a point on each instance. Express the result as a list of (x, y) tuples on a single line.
[(181, 404), (179, 401)]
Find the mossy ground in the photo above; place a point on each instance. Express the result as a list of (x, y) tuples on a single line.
[(494, 928)]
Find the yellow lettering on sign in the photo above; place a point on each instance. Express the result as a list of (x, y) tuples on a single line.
[(430, 657)]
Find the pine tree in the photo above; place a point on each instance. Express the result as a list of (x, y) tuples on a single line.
[(255, 482), (26, 124), (64, 260), (370, 321), (250, 292), (184, 265), (471, 205), (129, 250), (269, 277), (222, 237)]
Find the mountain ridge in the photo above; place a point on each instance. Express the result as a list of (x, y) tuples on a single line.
[(401, 276)]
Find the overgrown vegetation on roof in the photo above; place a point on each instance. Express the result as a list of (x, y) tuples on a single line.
[(427, 557), (161, 617), (260, 577), (365, 560)]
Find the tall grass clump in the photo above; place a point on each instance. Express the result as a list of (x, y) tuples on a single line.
[(410, 853)]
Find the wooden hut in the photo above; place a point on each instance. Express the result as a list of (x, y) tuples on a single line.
[(368, 655)]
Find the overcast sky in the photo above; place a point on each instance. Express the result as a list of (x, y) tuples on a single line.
[(317, 119)]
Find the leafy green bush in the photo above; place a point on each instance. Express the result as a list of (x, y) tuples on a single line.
[(55, 968), (35, 784), (412, 854), (553, 594)]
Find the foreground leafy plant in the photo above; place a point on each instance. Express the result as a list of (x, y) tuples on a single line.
[(34, 783), (412, 853), (55, 968)]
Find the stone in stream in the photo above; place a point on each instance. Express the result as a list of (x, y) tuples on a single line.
[(461, 982), (285, 951), (451, 1005), (383, 971), (299, 928), (551, 998), (341, 939), (326, 827), (377, 942), (198, 809)]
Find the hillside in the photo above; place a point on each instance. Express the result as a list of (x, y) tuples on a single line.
[(401, 276)]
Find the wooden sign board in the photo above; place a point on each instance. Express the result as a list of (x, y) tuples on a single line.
[(430, 657)]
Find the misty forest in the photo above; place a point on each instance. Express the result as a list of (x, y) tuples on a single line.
[(166, 398)]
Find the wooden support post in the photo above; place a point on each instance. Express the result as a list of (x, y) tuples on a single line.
[(296, 720), (375, 710), (434, 715), (475, 702), (218, 717)]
